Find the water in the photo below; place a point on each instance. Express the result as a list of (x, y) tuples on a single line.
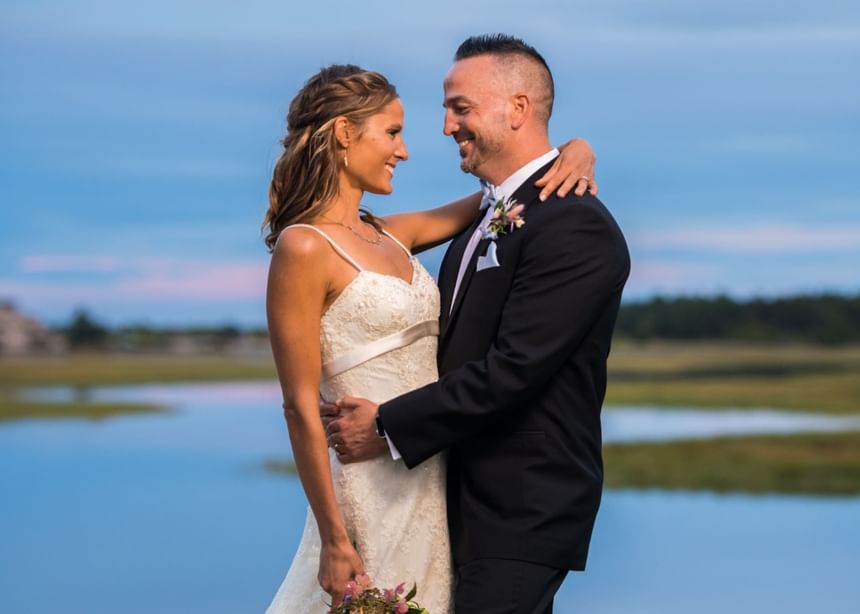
[(172, 513)]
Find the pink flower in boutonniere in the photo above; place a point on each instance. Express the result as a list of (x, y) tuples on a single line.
[(507, 217)]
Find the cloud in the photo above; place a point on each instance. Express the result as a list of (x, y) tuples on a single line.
[(161, 279), (760, 238), (654, 276), (666, 277), (198, 280)]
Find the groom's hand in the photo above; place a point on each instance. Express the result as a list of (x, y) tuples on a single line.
[(353, 433)]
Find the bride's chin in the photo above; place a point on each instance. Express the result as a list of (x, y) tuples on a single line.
[(381, 190)]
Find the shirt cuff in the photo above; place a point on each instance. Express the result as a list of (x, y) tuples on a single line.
[(395, 453)]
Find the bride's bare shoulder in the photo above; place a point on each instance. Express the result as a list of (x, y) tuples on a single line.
[(299, 244)]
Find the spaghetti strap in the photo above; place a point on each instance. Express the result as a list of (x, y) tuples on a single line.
[(396, 240), (341, 252)]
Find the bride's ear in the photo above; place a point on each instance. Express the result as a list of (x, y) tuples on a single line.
[(342, 131)]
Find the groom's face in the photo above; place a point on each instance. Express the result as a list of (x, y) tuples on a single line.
[(475, 114)]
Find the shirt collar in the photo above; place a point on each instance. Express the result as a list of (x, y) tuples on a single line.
[(513, 183)]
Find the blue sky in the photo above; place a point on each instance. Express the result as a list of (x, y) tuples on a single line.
[(138, 139)]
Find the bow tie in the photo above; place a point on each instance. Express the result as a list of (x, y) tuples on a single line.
[(488, 195)]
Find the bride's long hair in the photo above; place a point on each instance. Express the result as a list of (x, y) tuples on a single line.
[(305, 179)]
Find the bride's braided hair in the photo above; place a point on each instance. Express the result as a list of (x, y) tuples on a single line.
[(305, 178)]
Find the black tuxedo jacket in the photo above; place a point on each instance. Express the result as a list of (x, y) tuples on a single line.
[(522, 362)]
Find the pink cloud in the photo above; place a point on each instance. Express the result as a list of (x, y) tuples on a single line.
[(210, 280), (149, 278), (68, 263)]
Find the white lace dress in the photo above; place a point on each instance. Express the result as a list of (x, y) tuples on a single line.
[(395, 517)]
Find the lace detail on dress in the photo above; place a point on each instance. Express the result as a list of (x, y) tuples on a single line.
[(396, 517)]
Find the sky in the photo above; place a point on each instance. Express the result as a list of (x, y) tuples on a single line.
[(138, 139)]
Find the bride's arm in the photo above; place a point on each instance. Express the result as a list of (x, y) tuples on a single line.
[(424, 229), (297, 290)]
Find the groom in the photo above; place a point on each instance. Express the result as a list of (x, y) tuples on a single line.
[(525, 331)]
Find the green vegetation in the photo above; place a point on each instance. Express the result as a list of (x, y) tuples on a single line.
[(13, 408), (700, 374), (83, 370), (281, 467), (829, 319), (789, 376), (812, 464), (113, 369), (808, 464)]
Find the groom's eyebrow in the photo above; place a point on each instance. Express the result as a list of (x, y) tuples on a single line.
[(454, 100)]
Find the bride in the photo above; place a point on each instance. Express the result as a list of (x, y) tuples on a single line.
[(352, 311)]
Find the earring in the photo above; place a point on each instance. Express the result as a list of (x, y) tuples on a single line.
[(345, 160)]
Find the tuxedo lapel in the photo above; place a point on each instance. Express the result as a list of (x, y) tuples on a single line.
[(467, 277), (448, 273)]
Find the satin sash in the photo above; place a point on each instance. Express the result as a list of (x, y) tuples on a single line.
[(380, 346)]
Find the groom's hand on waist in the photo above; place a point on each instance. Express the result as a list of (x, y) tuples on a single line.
[(352, 433)]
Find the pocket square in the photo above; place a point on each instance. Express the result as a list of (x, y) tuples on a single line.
[(489, 260)]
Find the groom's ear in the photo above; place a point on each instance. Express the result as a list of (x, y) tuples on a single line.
[(521, 107), (343, 131)]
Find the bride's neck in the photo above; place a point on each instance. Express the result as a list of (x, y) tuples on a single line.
[(344, 208)]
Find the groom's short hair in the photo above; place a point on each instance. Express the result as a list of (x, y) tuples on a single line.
[(518, 57)]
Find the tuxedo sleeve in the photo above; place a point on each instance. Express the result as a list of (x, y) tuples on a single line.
[(573, 264)]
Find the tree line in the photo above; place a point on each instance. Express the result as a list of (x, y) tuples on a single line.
[(826, 318)]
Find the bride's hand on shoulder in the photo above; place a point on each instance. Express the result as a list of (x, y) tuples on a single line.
[(339, 564), (572, 169)]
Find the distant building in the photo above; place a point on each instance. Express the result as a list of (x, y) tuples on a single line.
[(20, 336)]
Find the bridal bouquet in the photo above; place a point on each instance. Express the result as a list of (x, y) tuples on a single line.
[(362, 598)]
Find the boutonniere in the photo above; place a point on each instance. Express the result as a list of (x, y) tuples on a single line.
[(507, 217)]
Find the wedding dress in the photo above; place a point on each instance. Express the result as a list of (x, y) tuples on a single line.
[(378, 340)]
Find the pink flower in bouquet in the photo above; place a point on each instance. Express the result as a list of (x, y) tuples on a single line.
[(362, 596)]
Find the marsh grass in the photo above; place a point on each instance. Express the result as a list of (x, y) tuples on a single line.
[(730, 375), (118, 369), (705, 374), (807, 464), (12, 409)]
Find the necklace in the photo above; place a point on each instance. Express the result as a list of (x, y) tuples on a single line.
[(375, 241)]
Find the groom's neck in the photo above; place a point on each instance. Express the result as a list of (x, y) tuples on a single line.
[(516, 154)]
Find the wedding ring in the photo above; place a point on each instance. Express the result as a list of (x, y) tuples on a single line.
[(585, 177)]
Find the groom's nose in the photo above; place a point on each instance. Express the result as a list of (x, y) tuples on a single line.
[(450, 125)]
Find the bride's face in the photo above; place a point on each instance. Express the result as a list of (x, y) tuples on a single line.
[(378, 150)]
